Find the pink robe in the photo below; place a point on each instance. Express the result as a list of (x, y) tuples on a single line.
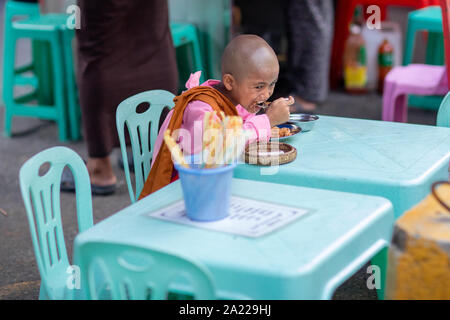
[(192, 124)]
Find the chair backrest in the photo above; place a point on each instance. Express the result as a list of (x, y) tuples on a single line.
[(445, 6), (443, 115), (136, 273), (41, 195), (143, 129)]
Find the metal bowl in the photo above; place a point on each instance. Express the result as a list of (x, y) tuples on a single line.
[(304, 121), (294, 130)]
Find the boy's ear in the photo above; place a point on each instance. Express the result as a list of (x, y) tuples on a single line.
[(228, 81)]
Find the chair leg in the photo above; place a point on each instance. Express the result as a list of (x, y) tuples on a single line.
[(8, 122), (58, 93), (43, 70), (388, 103), (395, 103), (401, 108), (8, 81), (409, 43), (435, 49), (42, 293), (73, 114), (381, 260)]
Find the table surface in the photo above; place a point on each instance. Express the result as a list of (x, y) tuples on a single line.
[(308, 258), (398, 161)]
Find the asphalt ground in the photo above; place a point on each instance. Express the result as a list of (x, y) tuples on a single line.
[(19, 276)]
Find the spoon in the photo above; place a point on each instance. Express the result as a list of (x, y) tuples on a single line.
[(264, 105)]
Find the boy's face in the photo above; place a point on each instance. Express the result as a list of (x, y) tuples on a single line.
[(254, 87)]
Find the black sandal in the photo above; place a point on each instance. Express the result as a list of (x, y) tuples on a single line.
[(130, 161), (68, 185), (67, 182)]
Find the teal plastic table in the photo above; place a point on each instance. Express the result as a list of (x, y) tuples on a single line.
[(397, 161), (306, 259)]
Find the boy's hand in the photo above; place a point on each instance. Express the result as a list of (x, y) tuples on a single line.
[(278, 112)]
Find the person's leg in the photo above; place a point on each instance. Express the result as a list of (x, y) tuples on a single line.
[(115, 63), (101, 171), (310, 31), (98, 118), (97, 88)]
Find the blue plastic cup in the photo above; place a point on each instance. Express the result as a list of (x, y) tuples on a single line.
[(206, 192)]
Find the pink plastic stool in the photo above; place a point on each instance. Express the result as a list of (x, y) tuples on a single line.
[(417, 79)]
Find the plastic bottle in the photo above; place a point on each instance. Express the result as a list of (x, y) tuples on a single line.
[(385, 62), (355, 59)]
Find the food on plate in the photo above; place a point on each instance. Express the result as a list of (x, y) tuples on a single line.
[(281, 132)]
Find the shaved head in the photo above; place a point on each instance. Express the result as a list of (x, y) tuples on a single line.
[(247, 54)]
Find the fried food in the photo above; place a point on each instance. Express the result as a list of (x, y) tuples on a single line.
[(175, 150), (284, 132), (223, 140), (281, 132), (212, 144)]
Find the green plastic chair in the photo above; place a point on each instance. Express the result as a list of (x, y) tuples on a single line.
[(427, 19), (140, 125), (135, 273), (53, 84), (443, 115), (184, 34), (41, 196)]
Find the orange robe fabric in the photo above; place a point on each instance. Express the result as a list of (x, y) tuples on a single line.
[(162, 169)]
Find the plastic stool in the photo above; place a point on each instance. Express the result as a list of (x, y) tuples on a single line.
[(420, 79), (185, 33), (16, 10), (343, 17), (426, 19), (40, 65), (70, 88), (50, 88)]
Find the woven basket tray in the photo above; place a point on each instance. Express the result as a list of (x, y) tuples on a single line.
[(269, 154)]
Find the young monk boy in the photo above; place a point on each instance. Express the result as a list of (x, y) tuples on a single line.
[(249, 74)]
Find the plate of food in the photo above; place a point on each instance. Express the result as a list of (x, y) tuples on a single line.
[(269, 153), (284, 131)]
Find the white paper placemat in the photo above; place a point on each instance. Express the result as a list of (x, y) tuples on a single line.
[(247, 217)]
